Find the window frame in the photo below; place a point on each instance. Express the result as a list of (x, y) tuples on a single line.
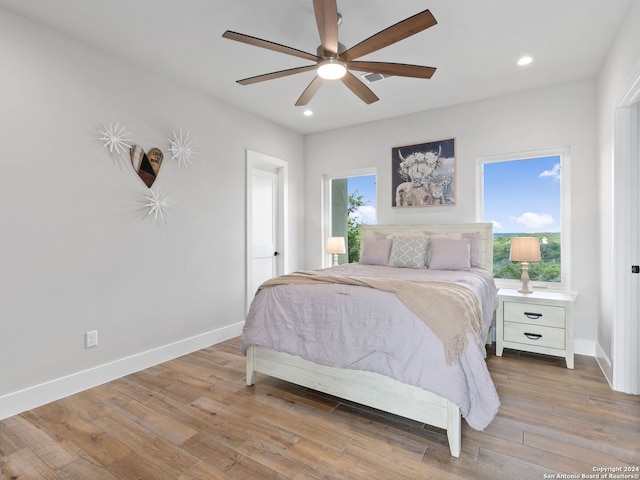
[(327, 202), (565, 209)]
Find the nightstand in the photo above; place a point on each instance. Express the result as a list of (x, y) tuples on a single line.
[(539, 322)]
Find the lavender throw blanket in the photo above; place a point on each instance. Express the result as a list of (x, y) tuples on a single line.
[(348, 326)]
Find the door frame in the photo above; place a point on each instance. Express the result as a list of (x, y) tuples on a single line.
[(626, 252), (257, 160)]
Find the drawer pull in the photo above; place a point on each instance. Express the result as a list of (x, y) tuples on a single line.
[(532, 316), (533, 336)]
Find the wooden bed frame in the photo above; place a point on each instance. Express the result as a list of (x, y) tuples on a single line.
[(372, 389)]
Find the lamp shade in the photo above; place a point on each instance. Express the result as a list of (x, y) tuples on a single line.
[(525, 249), (335, 245)]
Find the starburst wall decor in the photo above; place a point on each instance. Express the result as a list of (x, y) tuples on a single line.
[(147, 165), (182, 148), (115, 138), (156, 204)]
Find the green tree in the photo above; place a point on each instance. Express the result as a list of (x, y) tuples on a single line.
[(354, 201), (511, 270), (547, 270)]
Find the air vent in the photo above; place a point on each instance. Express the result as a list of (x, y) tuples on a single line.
[(375, 77)]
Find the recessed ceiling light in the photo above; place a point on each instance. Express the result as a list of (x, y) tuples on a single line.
[(526, 60), (307, 113)]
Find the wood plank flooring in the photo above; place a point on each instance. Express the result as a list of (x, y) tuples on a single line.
[(193, 418)]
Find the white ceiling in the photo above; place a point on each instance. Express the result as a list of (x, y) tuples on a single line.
[(474, 46)]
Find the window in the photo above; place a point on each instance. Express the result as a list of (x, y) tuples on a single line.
[(523, 195), (350, 201)]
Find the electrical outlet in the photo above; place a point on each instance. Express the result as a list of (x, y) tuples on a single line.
[(91, 339)]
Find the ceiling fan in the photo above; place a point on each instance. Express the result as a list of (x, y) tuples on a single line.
[(334, 61)]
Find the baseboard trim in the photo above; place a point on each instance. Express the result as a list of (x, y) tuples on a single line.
[(605, 364), (20, 401)]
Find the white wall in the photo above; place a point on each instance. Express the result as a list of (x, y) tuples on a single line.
[(78, 251), (619, 72), (553, 117)]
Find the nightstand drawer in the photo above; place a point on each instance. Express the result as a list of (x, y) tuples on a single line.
[(529, 313), (534, 335)]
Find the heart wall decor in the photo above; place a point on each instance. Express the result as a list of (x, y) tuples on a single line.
[(147, 166), (117, 141)]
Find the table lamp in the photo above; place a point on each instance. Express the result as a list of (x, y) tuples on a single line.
[(525, 250), (335, 246)]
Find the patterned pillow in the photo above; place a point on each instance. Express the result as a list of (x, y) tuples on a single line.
[(409, 252)]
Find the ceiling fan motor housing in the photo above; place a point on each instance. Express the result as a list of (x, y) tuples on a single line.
[(341, 50)]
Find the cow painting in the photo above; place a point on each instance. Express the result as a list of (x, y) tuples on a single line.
[(419, 165), (437, 189), (408, 195), (424, 175)]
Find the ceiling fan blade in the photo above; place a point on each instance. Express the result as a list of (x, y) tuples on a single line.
[(359, 88), (276, 47), (309, 92), (327, 20), (279, 74), (398, 69), (393, 34)]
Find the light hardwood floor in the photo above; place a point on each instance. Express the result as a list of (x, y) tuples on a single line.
[(193, 418)]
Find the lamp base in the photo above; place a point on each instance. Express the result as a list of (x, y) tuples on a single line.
[(525, 279), (335, 260)]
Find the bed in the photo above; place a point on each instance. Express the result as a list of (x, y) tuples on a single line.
[(312, 335)]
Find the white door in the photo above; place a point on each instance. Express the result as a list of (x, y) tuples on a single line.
[(626, 328), (266, 220), (264, 225)]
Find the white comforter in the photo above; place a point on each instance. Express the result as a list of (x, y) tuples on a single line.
[(361, 328)]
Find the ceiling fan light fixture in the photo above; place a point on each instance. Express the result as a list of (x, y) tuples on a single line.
[(526, 60), (332, 69)]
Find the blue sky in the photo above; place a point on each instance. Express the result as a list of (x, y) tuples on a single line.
[(366, 186), (523, 196), (520, 196)]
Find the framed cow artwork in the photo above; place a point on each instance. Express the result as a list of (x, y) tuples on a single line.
[(424, 175)]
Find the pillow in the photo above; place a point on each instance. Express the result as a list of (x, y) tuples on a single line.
[(450, 254), (431, 235), (474, 243), (376, 252), (409, 252)]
